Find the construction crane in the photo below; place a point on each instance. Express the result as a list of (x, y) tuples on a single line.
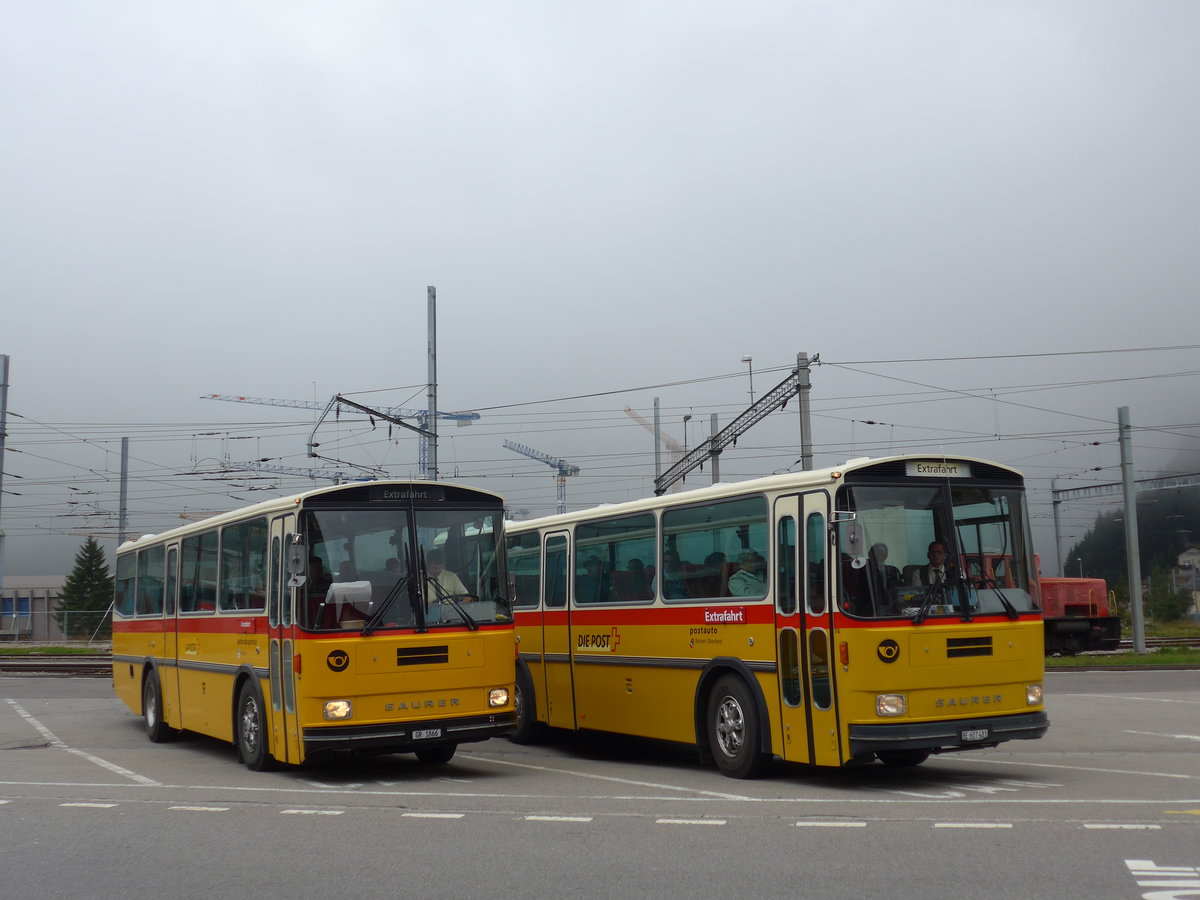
[(564, 469), (675, 450)]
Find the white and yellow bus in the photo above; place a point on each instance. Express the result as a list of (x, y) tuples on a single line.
[(365, 617), (755, 620)]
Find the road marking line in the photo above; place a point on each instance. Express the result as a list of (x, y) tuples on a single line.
[(1181, 737), (1114, 826), (201, 808), (311, 812), (558, 818), (650, 784), (689, 821), (417, 815), (972, 825), (831, 824), (90, 805), (57, 744)]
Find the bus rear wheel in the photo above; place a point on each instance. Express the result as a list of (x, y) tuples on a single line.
[(733, 729), (436, 756), (250, 725), (156, 729)]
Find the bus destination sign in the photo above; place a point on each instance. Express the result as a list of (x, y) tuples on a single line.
[(936, 468)]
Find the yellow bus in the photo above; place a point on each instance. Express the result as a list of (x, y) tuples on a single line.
[(364, 617), (788, 616)]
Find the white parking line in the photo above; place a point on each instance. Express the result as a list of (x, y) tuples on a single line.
[(720, 795), (558, 818), (972, 825), (57, 744), (90, 805), (311, 812), (419, 815), (831, 824), (200, 808)]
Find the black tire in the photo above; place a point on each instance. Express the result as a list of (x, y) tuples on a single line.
[(250, 727), (903, 758), (527, 723), (436, 756), (156, 729), (733, 729)]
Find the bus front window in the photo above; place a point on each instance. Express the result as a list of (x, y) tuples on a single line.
[(366, 568), (930, 551)]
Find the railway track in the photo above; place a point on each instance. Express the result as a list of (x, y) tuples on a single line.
[(92, 665)]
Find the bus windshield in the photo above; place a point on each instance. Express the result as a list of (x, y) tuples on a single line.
[(402, 568), (934, 550)]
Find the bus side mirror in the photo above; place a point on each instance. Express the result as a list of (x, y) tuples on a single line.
[(297, 560)]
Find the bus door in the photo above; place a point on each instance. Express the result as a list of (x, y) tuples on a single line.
[(559, 689), (169, 670), (285, 738), (803, 614)]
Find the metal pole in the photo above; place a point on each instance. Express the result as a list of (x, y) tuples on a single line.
[(716, 454), (1131, 532), (805, 413), (1054, 504), (432, 473), (123, 518), (657, 444), (3, 435)]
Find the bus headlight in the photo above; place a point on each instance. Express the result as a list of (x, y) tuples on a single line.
[(498, 697), (1033, 695), (338, 709), (890, 705)]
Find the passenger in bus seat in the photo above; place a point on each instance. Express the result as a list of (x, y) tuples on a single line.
[(436, 571), (674, 581), (749, 580)]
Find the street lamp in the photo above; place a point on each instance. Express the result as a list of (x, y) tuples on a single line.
[(687, 418), (749, 361), (1080, 561)]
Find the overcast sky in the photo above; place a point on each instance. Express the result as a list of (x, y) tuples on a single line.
[(982, 216)]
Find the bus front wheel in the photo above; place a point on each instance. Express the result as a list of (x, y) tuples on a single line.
[(251, 729), (733, 729)]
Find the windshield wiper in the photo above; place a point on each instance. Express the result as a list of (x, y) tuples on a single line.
[(935, 590), (1009, 609), (377, 617)]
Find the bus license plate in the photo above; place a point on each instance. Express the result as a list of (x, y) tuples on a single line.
[(973, 734), (426, 733)]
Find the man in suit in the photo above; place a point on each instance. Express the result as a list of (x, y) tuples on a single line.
[(935, 572)]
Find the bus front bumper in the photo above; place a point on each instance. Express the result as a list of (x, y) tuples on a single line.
[(406, 737), (947, 736)]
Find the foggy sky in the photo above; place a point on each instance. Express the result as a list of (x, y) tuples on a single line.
[(621, 199)]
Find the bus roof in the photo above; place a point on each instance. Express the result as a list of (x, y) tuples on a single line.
[(732, 488), (280, 504)]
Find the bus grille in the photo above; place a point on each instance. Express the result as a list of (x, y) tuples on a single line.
[(972, 646), (421, 656)]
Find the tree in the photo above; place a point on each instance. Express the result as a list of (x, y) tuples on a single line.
[(87, 594)]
